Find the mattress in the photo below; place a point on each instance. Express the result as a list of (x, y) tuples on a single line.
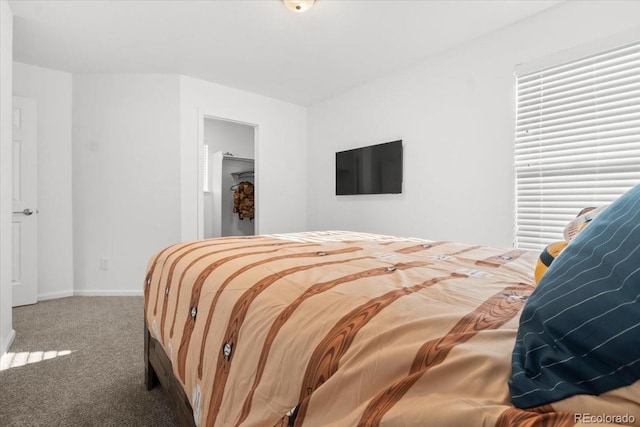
[(343, 329)]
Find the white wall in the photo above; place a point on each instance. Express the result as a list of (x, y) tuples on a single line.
[(455, 113), (52, 91), (281, 153), (232, 137), (126, 177), (6, 57)]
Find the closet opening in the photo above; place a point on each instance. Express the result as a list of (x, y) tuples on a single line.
[(229, 178)]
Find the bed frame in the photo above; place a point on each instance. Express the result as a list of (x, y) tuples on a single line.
[(157, 369)]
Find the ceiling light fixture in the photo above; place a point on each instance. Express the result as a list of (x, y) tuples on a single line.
[(299, 5)]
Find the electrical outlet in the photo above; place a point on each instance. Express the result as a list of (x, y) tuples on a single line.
[(104, 264)]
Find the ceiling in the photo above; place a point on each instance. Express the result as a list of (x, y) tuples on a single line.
[(254, 45)]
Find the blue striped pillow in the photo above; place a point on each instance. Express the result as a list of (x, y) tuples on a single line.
[(579, 332)]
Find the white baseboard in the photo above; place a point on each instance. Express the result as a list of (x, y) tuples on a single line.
[(7, 342), (54, 295), (107, 292)]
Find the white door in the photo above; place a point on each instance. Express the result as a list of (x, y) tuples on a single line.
[(25, 218)]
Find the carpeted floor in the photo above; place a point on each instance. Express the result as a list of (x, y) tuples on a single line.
[(82, 365)]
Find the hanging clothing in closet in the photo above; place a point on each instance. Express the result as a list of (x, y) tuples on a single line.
[(243, 203), (228, 172)]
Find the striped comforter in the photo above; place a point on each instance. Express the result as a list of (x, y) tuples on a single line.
[(342, 329)]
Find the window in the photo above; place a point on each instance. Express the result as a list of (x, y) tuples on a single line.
[(577, 140), (205, 168)]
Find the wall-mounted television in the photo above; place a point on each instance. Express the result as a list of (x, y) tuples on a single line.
[(376, 169)]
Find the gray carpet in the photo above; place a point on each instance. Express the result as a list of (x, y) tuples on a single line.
[(100, 383)]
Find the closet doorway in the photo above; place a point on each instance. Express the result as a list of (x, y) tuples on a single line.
[(229, 184)]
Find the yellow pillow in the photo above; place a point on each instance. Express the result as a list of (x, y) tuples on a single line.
[(572, 229), (546, 257)]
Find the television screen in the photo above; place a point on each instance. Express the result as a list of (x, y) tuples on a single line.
[(376, 169)]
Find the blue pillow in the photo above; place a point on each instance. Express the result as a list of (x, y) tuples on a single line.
[(579, 331)]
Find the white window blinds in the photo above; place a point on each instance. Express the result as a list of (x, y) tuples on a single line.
[(577, 140), (205, 168)]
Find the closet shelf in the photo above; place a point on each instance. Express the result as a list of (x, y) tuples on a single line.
[(240, 159)]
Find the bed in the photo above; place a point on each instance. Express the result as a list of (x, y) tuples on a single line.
[(348, 329)]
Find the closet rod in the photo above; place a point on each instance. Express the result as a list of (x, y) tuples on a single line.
[(234, 186), (243, 174)]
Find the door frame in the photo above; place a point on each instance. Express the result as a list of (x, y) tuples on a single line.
[(202, 116)]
